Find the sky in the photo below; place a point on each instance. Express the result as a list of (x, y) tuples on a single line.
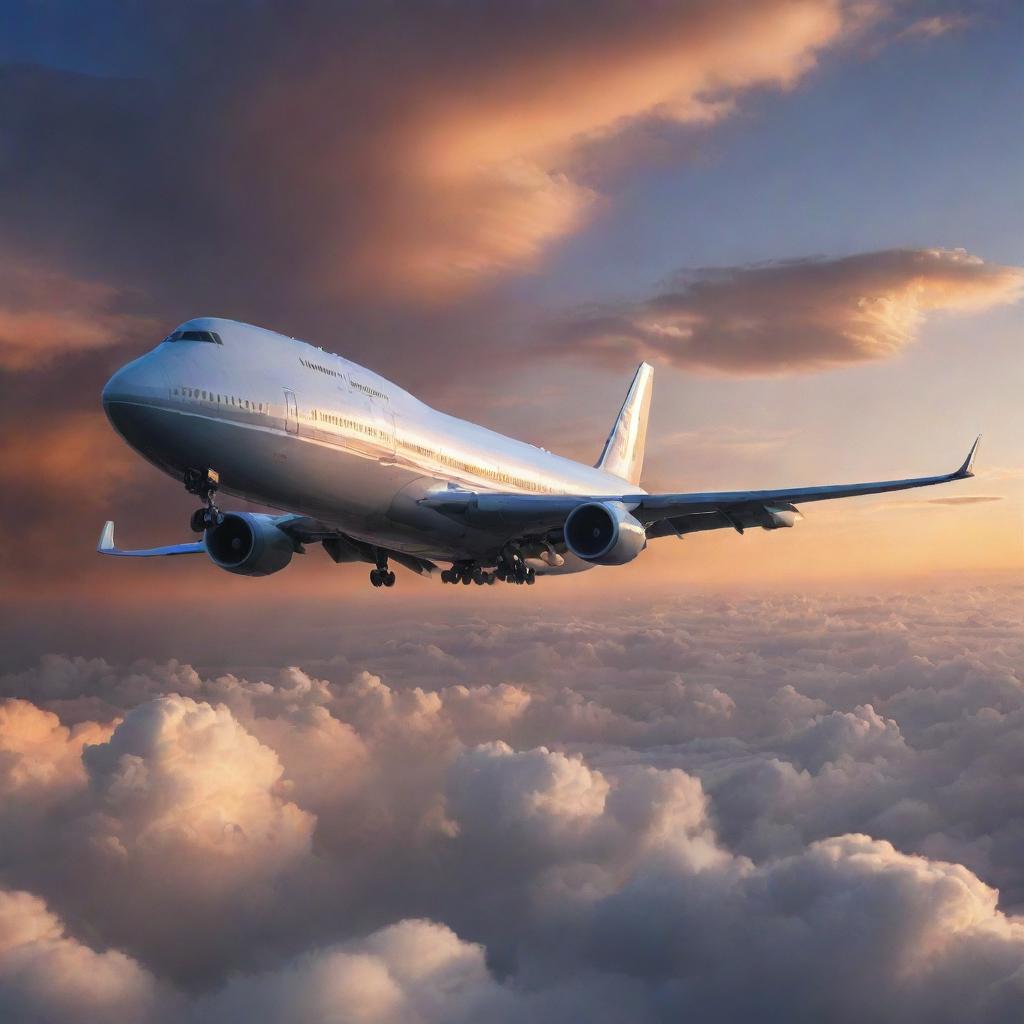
[(775, 771)]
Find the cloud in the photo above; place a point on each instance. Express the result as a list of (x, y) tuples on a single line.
[(45, 313), (794, 317), (966, 499), (412, 971), (38, 755), (410, 153), (46, 975), (796, 802), (935, 25)]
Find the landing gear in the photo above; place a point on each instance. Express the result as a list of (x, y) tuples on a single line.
[(513, 569), (204, 484), (466, 573), (382, 576), (507, 570)]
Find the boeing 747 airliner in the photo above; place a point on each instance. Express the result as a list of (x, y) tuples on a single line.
[(373, 474)]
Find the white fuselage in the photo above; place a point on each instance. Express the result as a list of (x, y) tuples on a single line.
[(299, 429)]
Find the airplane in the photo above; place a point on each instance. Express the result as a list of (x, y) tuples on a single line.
[(357, 464)]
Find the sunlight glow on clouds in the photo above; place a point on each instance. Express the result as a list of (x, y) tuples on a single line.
[(488, 179), (45, 313), (695, 807), (798, 316)]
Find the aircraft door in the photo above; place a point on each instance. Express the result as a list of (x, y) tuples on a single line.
[(291, 412)]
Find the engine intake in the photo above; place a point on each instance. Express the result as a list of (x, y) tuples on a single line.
[(603, 532), (249, 544)]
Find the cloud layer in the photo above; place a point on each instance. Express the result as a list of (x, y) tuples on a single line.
[(690, 808), (797, 316), (412, 150)]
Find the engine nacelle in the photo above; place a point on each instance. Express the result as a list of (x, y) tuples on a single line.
[(603, 532), (249, 544), (780, 517)]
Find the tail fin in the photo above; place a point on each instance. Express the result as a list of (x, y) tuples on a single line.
[(623, 453)]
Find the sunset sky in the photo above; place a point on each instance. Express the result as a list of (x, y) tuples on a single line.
[(808, 215)]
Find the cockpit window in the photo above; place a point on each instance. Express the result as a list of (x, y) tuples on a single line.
[(210, 336)]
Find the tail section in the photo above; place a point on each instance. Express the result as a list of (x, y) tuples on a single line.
[(623, 453)]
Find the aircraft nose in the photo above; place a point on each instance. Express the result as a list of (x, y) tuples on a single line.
[(131, 395), (115, 388), (137, 381)]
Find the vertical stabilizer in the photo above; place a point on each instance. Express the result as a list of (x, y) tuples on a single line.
[(623, 453)]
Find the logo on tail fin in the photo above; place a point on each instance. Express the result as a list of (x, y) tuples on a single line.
[(623, 453)]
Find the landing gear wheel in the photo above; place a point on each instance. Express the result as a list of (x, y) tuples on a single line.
[(203, 484), (375, 578), (447, 576), (388, 579), (531, 577)]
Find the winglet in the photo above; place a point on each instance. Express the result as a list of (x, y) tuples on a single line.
[(967, 469), (106, 543)]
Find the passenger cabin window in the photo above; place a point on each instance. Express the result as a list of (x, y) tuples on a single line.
[(209, 336)]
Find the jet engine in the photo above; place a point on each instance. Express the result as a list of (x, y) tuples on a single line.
[(603, 532), (249, 544)]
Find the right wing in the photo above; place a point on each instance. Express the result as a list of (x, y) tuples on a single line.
[(664, 514)]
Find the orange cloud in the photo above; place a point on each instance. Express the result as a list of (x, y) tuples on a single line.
[(936, 25), (798, 316), (44, 312), (474, 153)]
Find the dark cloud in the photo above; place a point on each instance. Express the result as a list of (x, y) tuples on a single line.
[(966, 499), (803, 804), (400, 150), (793, 317)]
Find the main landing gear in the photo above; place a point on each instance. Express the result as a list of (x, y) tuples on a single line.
[(510, 569), (466, 573), (382, 576), (204, 484)]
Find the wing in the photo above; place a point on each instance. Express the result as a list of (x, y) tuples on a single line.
[(302, 530), (106, 547), (668, 514)]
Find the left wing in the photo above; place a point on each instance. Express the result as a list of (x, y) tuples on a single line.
[(106, 547), (667, 514), (301, 529)]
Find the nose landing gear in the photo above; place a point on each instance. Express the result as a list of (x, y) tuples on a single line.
[(204, 484)]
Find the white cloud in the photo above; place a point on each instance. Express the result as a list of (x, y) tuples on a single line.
[(694, 807)]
